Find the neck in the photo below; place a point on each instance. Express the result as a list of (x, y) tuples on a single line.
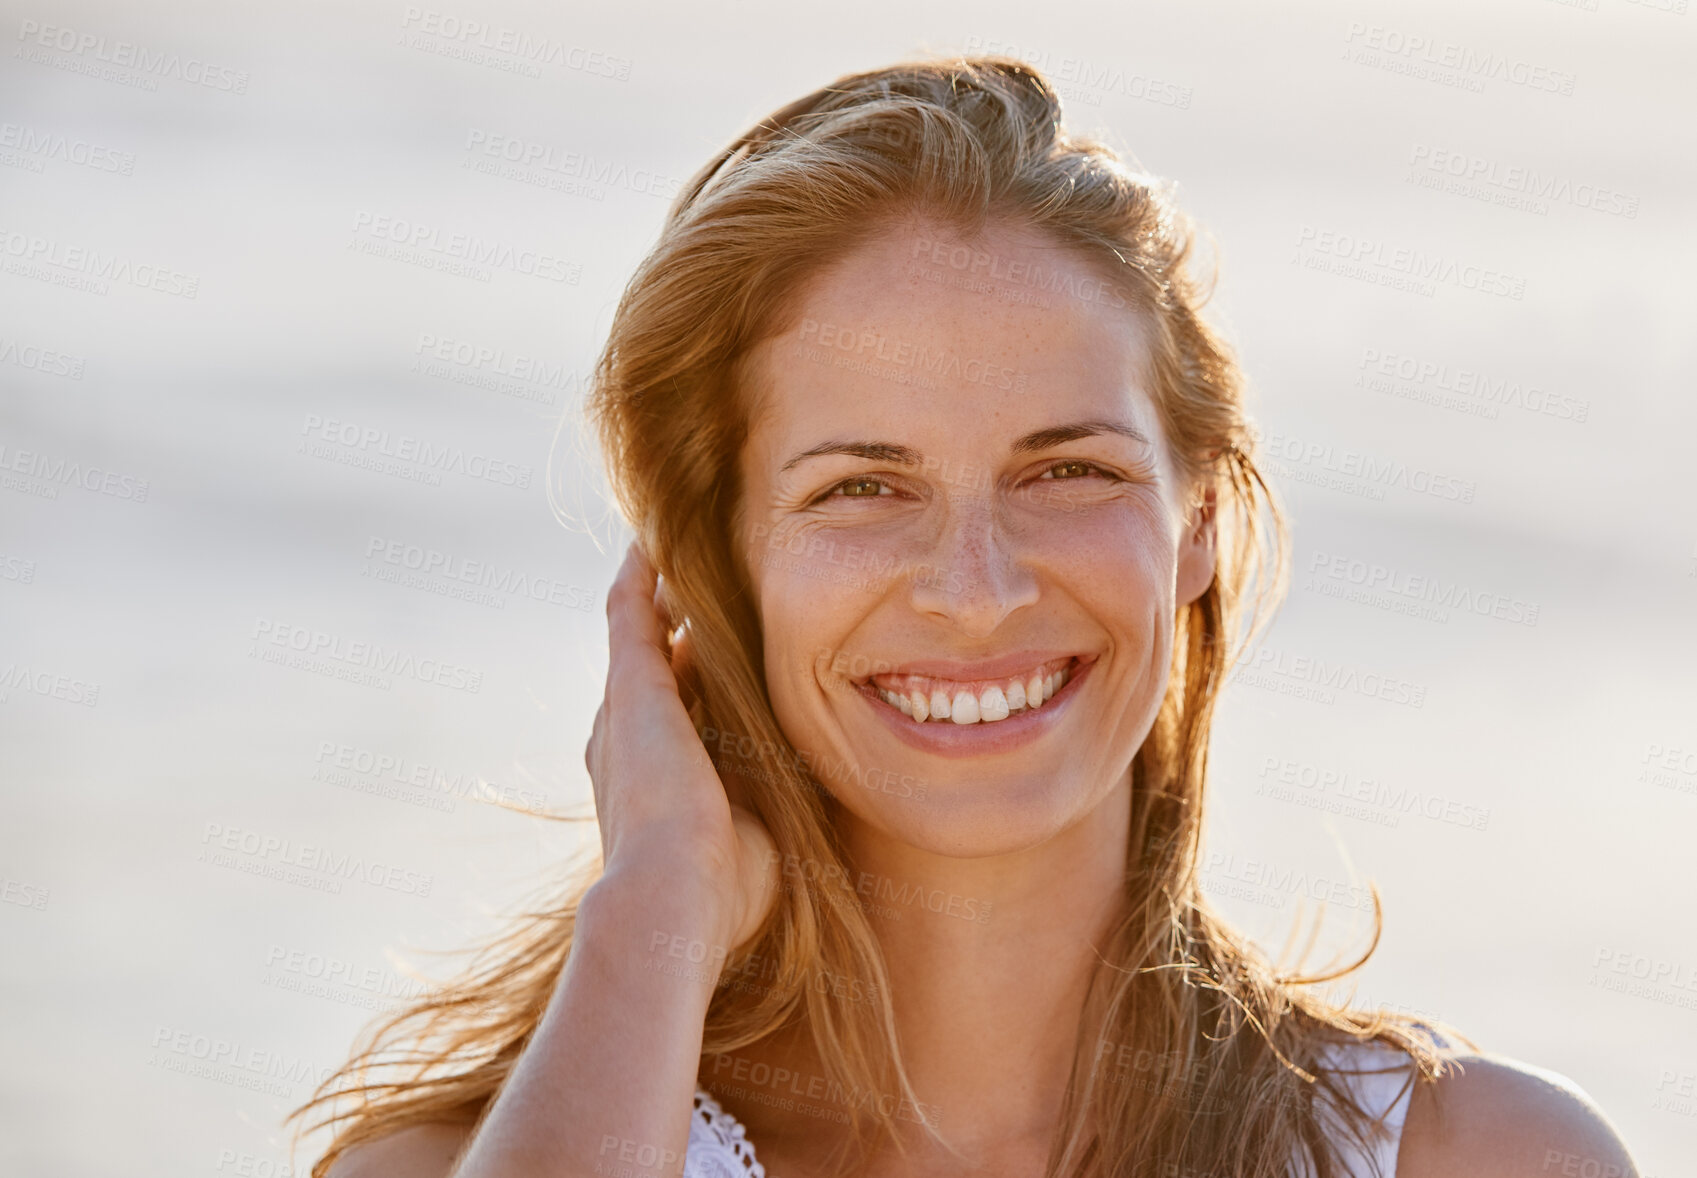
[(989, 962)]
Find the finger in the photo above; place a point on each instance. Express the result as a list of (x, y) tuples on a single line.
[(643, 691), (635, 637), (683, 667), (592, 747), (678, 645)]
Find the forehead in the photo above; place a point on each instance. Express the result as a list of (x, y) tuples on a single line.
[(952, 341)]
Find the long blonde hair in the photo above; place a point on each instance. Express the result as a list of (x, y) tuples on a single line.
[(1228, 1046)]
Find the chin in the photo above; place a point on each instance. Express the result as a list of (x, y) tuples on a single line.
[(972, 816)]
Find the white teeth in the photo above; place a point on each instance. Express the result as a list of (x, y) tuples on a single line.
[(996, 702)]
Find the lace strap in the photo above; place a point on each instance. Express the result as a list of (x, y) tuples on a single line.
[(718, 1144)]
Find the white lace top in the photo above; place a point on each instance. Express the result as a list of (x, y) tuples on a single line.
[(718, 1147)]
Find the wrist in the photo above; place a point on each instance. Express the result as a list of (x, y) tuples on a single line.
[(661, 905)]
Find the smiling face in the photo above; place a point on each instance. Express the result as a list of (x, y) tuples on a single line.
[(954, 499)]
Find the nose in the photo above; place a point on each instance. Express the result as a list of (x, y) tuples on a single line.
[(975, 575)]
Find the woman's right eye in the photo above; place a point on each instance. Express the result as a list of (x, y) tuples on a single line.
[(862, 484), (857, 488)]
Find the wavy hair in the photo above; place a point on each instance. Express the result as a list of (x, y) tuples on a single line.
[(1229, 1046)]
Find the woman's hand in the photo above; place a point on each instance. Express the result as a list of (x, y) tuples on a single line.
[(663, 810)]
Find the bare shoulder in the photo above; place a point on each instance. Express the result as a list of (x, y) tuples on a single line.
[(1499, 1118), (418, 1151)]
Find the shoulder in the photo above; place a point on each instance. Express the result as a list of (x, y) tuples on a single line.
[(418, 1151), (1493, 1117)]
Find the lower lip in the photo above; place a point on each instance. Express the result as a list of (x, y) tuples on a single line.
[(948, 739)]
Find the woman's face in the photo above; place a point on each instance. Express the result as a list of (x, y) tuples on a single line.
[(957, 495)]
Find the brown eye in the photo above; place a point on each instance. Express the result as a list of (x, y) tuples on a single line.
[(1078, 468), (858, 488)]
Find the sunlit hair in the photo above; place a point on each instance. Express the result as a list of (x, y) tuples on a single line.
[(1228, 1074)]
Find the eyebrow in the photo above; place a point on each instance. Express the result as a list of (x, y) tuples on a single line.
[(1041, 439)]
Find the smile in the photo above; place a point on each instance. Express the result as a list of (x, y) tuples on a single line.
[(928, 698), (980, 719)]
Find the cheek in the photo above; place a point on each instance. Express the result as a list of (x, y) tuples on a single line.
[(840, 573), (1123, 553), (809, 606)]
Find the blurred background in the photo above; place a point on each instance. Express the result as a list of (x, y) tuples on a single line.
[(251, 403)]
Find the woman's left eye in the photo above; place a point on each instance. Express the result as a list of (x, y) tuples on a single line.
[(1074, 465), (864, 487)]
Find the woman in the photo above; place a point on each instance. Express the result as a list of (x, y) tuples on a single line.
[(900, 767)]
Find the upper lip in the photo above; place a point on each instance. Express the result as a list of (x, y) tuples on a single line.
[(1000, 667)]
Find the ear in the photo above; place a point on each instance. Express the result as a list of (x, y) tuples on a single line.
[(1196, 551)]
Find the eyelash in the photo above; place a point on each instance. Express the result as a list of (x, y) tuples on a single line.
[(1091, 466)]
